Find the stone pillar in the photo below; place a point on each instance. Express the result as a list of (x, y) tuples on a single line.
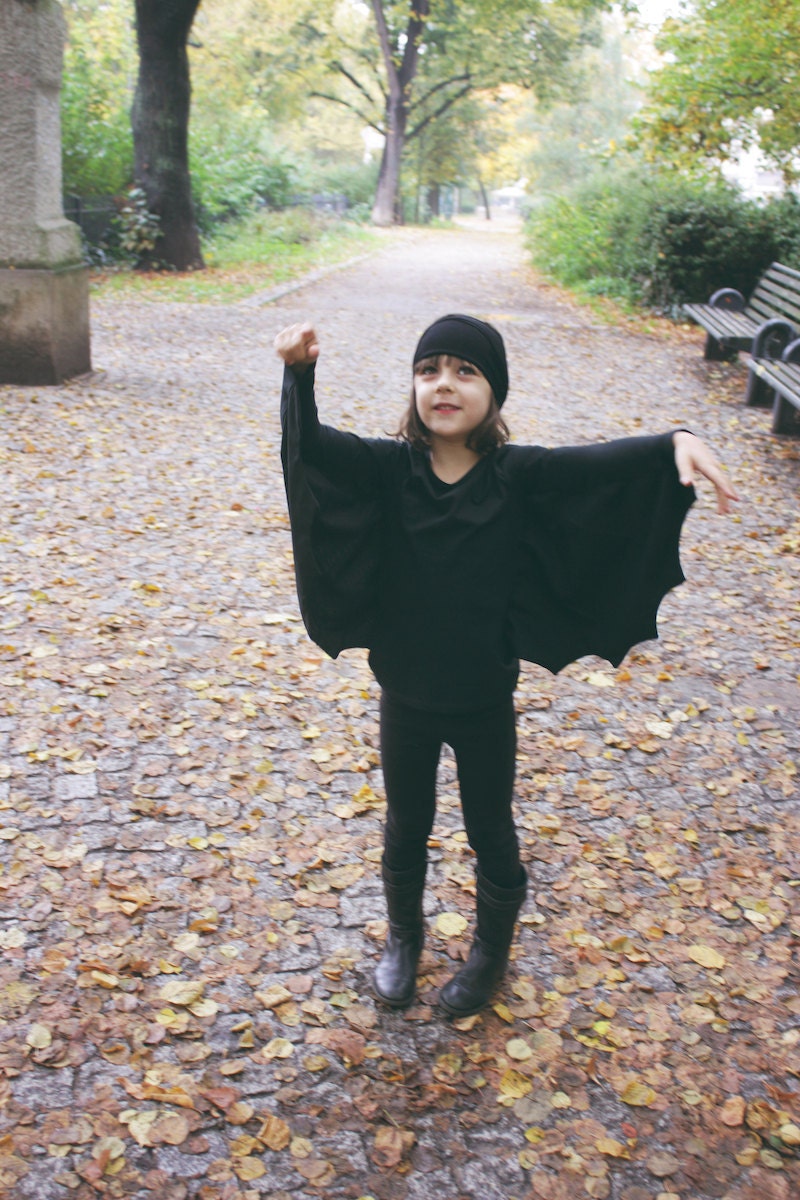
[(44, 286)]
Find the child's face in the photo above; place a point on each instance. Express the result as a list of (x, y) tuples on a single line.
[(452, 396)]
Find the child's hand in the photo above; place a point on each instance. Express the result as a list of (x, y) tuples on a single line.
[(297, 345), (692, 458)]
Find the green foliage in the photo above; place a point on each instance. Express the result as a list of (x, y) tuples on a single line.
[(575, 135), (246, 256), (96, 93), (731, 78), (233, 170), (138, 227), (355, 181), (659, 238), (256, 238)]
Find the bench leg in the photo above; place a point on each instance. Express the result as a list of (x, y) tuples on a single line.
[(716, 351), (785, 417), (759, 393)]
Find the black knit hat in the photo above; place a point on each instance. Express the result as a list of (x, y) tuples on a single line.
[(474, 341)]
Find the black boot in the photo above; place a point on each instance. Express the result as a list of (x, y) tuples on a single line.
[(396, 974), (471, 987)]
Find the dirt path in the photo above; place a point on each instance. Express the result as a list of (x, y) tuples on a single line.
[(190, 808)]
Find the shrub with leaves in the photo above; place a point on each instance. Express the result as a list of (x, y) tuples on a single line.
[(233, 171), (659, 238), (139, 228)]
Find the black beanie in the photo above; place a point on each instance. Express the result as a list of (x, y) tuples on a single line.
[(475, 341)]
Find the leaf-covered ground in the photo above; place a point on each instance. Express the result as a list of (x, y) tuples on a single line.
[(191, 801)]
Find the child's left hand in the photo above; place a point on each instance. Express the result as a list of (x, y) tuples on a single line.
[(692, 458)]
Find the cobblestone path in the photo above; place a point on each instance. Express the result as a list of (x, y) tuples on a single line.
[(190, 795)]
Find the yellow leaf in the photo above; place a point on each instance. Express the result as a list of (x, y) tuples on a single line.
[(114, 1147), (518, 1049), (104, 979), (274, 995), (239, 1113), (170, 1019), (790, 1134), (637, 1094), (451, 924), (204, 1008), (39, 1037), (277, 1048), (515, 1085), (181, 993), (231, 1067), (612, 1148), (706, 956), (275, 1133), (170, 1128), (600, 679), (140, 1124), (249, 1169)]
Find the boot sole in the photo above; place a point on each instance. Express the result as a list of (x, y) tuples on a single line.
[(464, 1012), (393, 1002)]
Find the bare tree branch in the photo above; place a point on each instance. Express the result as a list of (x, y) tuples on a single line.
[(342, 69), (412, 133), (352, 108), (465, 78)]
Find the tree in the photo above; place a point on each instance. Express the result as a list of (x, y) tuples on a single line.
[(731, 81), (436, 52), (572, 139), (160, 120)]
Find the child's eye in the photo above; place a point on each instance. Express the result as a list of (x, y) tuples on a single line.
[(467, 369)]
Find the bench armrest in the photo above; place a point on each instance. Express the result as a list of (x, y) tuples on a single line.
[(728, 298), (792, 352), (772, 338)]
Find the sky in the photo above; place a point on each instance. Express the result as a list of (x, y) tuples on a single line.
[(655, 11)]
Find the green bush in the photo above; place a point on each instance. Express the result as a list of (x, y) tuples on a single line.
[(260, 236), (355, 181), (96, 138), (660, 239), (783, 215), (697, 243), (233, 171)]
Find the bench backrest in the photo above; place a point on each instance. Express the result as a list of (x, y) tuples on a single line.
[(777, 295)]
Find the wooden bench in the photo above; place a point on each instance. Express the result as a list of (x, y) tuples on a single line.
[(731, 323), (778, 383)]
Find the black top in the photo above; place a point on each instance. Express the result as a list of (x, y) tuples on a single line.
[(546, 555)]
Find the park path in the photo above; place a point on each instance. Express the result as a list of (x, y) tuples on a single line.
[(190, 800)]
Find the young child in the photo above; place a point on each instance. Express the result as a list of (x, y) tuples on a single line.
[(451, 555)]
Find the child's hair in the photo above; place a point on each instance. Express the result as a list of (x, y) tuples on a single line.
[(489, 435)]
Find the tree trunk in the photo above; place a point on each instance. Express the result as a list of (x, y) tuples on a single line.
[(485, 198), (387, 208), (160, 121)]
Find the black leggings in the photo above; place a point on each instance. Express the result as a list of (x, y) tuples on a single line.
[(484, 744)]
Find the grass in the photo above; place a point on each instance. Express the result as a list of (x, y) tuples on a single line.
[(257, 254)]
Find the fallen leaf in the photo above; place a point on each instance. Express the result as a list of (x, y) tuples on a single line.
[(637, 1094), (706, 956), (450, 924)]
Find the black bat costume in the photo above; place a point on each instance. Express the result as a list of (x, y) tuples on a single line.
[(536, 554)]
